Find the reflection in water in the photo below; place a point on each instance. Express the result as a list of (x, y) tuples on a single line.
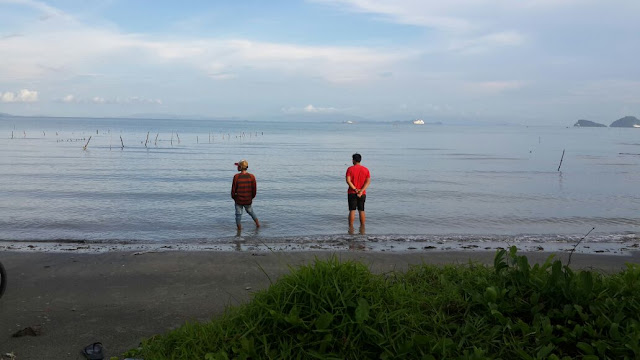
[(560, 180)]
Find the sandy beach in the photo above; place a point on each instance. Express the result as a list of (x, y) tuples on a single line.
[(120, 297)]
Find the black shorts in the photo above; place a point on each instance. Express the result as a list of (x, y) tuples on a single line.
[(356, 202)]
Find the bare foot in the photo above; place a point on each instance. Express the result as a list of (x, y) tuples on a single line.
[(257, 223)]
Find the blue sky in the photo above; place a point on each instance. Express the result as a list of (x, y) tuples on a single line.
[(526, 62)]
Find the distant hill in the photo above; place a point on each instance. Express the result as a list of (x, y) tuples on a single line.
[(587, 123), (627, 121), (5, 115)]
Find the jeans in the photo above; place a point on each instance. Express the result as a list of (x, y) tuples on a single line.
[(239, 212)]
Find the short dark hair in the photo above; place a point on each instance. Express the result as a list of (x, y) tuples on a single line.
[(356, 157)]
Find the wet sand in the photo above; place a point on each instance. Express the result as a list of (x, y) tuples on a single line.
[(121, 297)]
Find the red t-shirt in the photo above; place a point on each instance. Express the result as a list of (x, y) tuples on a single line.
[(359, 175)]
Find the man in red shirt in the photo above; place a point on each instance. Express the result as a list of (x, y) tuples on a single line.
[(358, 179), (243, 190)]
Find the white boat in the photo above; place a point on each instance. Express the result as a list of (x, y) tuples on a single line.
[(636, 126), (418, 122)]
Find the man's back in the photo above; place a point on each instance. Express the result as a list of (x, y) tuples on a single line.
[(359, 175), (244, 188)]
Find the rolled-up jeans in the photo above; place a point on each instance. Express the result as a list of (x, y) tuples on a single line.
[(239, 212)]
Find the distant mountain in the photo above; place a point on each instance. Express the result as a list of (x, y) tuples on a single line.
[(5, 115), (315, 117), (627, 121), (587, 123), (166, 116)]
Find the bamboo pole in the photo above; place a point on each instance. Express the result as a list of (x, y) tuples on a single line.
[(87, 144), (121, 142), (147, 140), (561, 160)]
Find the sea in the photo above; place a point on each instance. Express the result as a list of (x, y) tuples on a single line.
[(167, 182)]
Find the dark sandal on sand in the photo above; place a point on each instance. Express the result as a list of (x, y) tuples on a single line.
[(93, 351)]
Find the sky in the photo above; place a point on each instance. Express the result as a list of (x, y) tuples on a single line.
[(548, 62)]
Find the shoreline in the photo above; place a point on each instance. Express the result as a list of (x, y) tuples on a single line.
[(120, 297), (364, 243)]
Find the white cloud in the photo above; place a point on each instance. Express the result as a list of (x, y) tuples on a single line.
[(22, 96), (487, 42), (310, 109), (413, 12), (451, 15), (88, 46), (116, 100)]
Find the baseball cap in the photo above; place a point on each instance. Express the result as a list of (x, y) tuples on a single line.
[(243, 164)]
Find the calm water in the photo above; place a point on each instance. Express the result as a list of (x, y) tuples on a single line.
[(427, 181)]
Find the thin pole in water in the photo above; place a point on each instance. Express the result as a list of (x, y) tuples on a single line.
[(87, 144), (561, 160)]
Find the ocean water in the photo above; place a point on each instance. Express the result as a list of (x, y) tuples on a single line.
[(171, 181)]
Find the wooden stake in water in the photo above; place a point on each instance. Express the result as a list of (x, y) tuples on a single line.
[(87, 144), (147, 140), (156, 142), (561, 160), (121, 142)]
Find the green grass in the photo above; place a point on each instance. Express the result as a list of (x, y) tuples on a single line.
[(340, 310)]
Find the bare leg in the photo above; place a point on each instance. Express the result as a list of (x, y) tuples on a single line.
[(363, 218), (352, 216)]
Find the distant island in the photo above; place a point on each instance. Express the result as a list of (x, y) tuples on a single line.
[(627, 121), (587, 123)]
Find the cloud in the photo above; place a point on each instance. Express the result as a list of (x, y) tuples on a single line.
[(69, 99), (22, 96), (450, 16), (310, 109), (419, 13), (72, 99), (487, 42), (88, 46)]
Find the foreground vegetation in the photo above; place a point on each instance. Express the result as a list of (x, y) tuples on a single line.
[(340, 310)]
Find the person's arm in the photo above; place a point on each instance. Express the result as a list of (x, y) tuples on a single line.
[(365, 186), (351, 186), (254, 187), (233, 188)]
